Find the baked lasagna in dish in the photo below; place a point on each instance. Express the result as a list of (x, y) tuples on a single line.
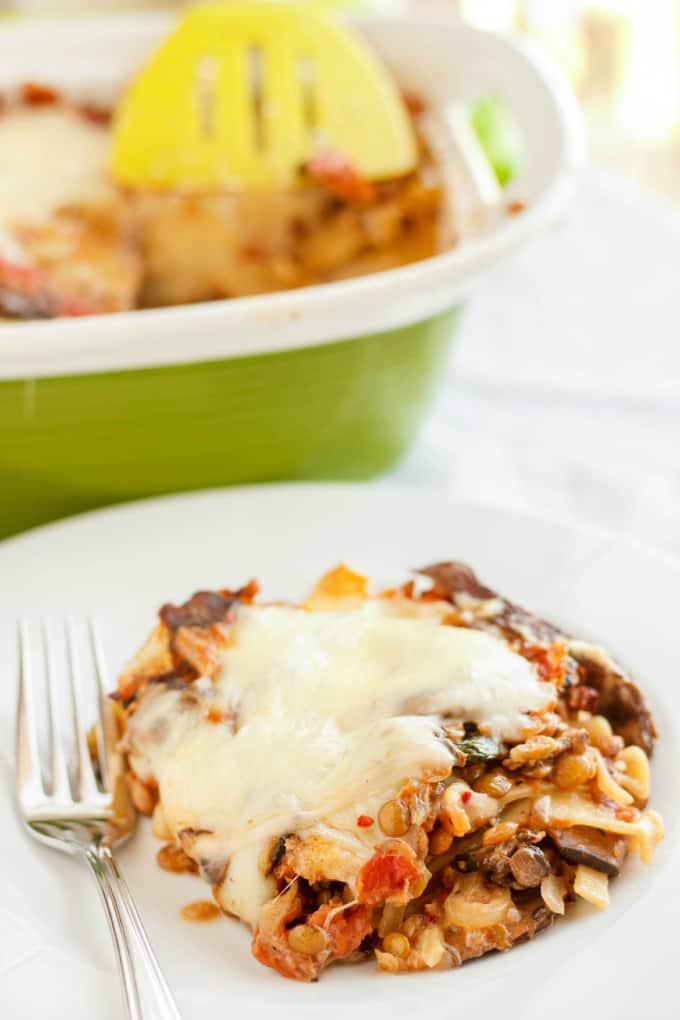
[(422, 776), (73, 242)]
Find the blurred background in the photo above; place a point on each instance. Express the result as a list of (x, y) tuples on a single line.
[(623, 60), (622, 57)]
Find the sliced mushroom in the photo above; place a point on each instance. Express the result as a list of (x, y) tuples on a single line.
[(201, 610), (454, 579), (600, 850), (529, 866), (496, 862)]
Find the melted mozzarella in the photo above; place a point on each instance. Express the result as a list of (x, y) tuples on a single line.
[(49, 158), (332, 712)]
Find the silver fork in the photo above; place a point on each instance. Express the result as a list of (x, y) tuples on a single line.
[(71, 806)]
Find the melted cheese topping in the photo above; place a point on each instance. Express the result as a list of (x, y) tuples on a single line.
[(328, 714), (50, 158)]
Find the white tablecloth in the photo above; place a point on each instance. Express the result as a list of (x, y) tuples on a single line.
[(563, 392)]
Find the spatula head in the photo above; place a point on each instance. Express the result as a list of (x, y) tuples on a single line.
[(242, 94)]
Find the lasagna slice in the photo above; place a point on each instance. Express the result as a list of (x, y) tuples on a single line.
[(422, 776), (72, 242)]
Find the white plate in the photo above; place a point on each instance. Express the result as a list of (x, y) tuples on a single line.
[(55, 958)]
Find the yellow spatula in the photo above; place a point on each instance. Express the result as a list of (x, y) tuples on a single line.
[(241, 94)]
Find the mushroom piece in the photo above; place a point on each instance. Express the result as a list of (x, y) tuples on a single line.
[(529, 866), (581, 845), (515, 862)]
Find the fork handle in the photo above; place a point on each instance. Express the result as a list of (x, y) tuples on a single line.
[(146, 992)]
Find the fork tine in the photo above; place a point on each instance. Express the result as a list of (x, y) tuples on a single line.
[(104, 748), (85, 787), (29, 775), (60, 785)]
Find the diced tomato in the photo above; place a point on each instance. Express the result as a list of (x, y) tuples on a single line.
[(405, 591), (24, 291), (15, 274), (551, 661), (29, 285), (389, 871), (365, 821), (626, 814), (583, 698), (466, 796), (340, 177), (346, 929), (216, 715), (35, 94), (95, 114)]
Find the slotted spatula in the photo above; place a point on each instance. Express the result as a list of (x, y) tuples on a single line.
[(241, 94)]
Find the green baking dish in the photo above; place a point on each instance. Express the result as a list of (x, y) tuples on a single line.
[(331, 381), (69, 443)]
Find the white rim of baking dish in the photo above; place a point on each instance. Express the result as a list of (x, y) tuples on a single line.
[(529, 82)]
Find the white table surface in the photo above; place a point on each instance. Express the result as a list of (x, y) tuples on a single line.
[(563, 392)]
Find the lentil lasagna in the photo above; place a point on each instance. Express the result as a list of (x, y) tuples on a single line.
[(73, 242), (422, 776)]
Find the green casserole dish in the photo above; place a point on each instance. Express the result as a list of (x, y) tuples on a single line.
[(338, 410), (329, 381)]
